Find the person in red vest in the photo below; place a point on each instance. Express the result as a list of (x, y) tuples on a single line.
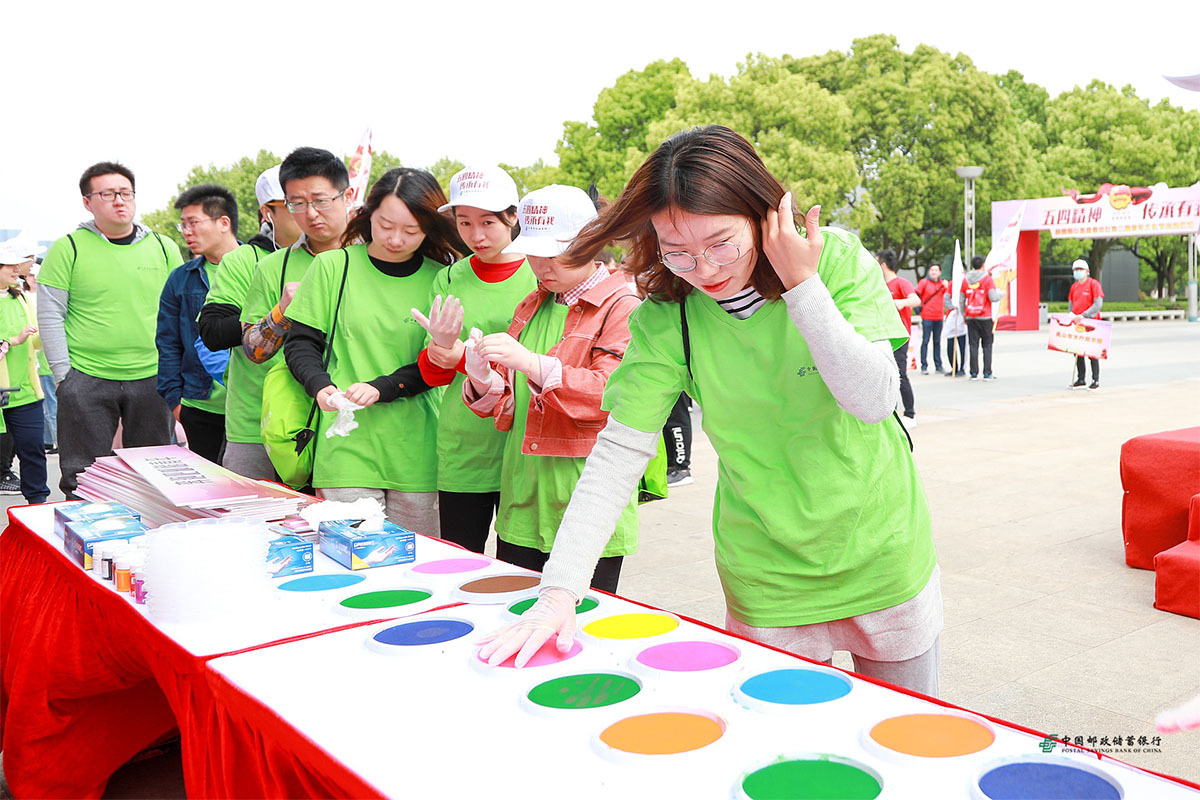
[(930, 289), (1086, 297), (978, 292), (906, 300)]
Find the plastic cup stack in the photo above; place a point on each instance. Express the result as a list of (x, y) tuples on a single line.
[(206, 570)]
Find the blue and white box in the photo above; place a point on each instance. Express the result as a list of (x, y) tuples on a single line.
[(342, 541), (289, 555), (82, 510), (82, 535)]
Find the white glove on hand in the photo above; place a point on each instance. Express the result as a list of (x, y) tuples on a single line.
[(444, 322), (345, 415), (478, 369), (552, 615)]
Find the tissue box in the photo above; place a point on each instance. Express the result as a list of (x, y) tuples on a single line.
[(355, 549), (81, 510), (81, 535), (289, 555)]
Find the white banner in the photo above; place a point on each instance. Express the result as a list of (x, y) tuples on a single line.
[(1001, 263)]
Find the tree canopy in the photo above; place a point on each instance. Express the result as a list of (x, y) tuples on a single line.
[(872, 134)]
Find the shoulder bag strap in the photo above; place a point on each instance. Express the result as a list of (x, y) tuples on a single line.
[(332, 328), (687, 343)]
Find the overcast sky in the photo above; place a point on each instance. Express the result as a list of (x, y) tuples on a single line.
[(165, 86)]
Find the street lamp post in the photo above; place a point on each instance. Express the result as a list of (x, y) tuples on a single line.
[(969, 174)]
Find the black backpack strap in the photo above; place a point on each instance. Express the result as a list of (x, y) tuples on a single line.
[(329, 339), (283, 271), (162, 247), (74, 250), (906, 434), (687, 342), (604, 322)]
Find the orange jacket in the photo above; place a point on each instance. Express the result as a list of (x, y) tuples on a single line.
[(565, 420)]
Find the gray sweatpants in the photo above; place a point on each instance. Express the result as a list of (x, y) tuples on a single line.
[(417, 511), (248, 459), (88, 411)]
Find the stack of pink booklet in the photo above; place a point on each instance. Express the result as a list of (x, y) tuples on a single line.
[(173, 484)]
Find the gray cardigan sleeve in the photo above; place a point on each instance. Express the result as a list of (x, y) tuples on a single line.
[(52, 313)]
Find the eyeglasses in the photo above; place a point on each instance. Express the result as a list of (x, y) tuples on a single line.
[(108, 195), (718, 255), (319, 203), (191, 224)]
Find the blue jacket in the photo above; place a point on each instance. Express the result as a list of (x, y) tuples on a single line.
[(181, 373)]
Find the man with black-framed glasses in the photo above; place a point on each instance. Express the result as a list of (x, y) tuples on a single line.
[(208, 216), (97, 307)]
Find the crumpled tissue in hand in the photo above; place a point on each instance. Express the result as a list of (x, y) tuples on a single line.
[(345, 415)]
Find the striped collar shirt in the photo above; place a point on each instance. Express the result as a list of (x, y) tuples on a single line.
[(743, 304)]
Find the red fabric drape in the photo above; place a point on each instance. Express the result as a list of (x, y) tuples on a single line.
[(80, 695)]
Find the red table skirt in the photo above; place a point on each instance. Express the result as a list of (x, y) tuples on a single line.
[(80, 694)]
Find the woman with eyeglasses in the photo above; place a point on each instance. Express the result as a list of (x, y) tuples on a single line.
[(551, 365), (822, 532), (391, 251)]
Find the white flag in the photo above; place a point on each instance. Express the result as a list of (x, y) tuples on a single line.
[(360, 172), (954, 324)]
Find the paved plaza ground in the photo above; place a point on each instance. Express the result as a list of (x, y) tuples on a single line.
[(1045, 625)]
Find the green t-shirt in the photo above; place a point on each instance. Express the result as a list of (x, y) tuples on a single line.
[(243, 414), (243, 378), (395, 444), (469, 447), (19, 364), (535, 490), (817, 515), (112, 310)]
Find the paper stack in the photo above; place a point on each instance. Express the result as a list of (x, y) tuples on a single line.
[(173, 484)]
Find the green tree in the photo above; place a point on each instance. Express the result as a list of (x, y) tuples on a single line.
[(239, 177), (1163, 255), (599, 152), (916, 116), (800, 130)]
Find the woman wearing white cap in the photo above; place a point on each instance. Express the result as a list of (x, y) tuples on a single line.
[(481, 292), (552, 365), (391, 251), (19, 371), (822, 533)]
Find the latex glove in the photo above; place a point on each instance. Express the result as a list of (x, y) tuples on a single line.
[(444, 322), (1183, 718), (345, 415), (503, 349), (478, 369), (793, 256), (552, 615)]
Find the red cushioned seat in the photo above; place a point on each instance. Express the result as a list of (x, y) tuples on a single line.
[(1177, 571), (1159, 472)]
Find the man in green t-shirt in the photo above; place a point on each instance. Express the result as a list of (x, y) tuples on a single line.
[(96, 314), (221, 329), (208, 220)]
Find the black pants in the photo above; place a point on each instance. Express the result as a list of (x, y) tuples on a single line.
[(608, 570), (906, 392), (678, 433), (8, 451), (957, 361), (979, 332), (205, 432), (466, 517), (26, 425), (1079, 368), (88, 411)]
